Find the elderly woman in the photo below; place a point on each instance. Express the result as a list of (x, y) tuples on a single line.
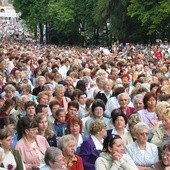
[(31, 146), (11, 158), (54, 159), (106, 93), (138, 102), (67, 144), (59, 96), (113, 157), (74, 127), (164, 164), (92, 146), (143, 153), (124, 100), (98, 108)]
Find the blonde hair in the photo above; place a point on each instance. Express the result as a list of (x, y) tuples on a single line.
[(96, 126), (160, 107), (166, 112), (41, 94)]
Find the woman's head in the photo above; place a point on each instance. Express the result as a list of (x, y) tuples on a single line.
[(149, 100), (123, 99), (7, 123), (27, 127), (98, 108), (9, 90), (166, 155), (138, 102), (75, 125), (42, 121), (43, 97), (141, 132), (98, 127), (67, 144), (165, 117), (113, 143), (118, 118), (6, 138)]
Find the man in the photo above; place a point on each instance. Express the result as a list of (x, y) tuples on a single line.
[(54, 159)]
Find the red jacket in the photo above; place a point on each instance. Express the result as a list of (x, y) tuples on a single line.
[(77, 165)]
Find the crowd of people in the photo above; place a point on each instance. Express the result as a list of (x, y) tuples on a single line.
[(84, 108)]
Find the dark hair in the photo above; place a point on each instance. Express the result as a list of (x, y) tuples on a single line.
[(57, 114), (153, 85), (73, 104), (4, 133), (166, 146), (119, 90), (75, 94), (40, 107), (4, 121), (116, 113), (147, 97), (53, 103), (29, 103), (82, 93), (25, 123), (81, 85), (98, 103), (109, 141)]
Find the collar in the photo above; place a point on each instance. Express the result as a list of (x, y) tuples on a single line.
[(98, 145)]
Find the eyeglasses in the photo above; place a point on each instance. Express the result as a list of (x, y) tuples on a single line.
[(144, 133)]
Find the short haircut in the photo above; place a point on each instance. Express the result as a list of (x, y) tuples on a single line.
[(116, 113), (96, 126), (30, 103), (40, 107), (98, 103), (140, 126), (147, 97), (73, 104), (51, 154), (4, 133)]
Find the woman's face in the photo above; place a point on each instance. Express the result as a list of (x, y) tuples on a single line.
[(142, 136), (98, 112), (6, 142), (166, 157), (44, 99), (139, 104), (151, 103), (9, 94), (69, 149), (32, 132), (166, 122), (103, 132), (117, 147), (124, 101), (43, 124), (75, 129), (119, 123), (108, 87), (30, 111)]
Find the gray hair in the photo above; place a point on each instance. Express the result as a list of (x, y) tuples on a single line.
[(63, 141), (140, 126), (51, 154), (138, 96), (10, 87), (40, 77), (123, 94)]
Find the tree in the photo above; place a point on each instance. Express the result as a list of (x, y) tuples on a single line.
[(155, 14)]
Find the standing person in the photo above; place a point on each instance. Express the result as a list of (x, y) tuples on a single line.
[(113, 157), (11, 159), (93, 145), (54, 159), (67, 144), (31, 146)]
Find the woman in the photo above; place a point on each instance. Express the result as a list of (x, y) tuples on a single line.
[(45, 129), (75, 125), (11, 158), (164, 164), (124, 100), (119, 121), (138, 102), (67, 144), (106, 93), (143, 153), (148, 115), (98, 108), (162, 135), (113, 157), (92, 146), (31, 146)]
